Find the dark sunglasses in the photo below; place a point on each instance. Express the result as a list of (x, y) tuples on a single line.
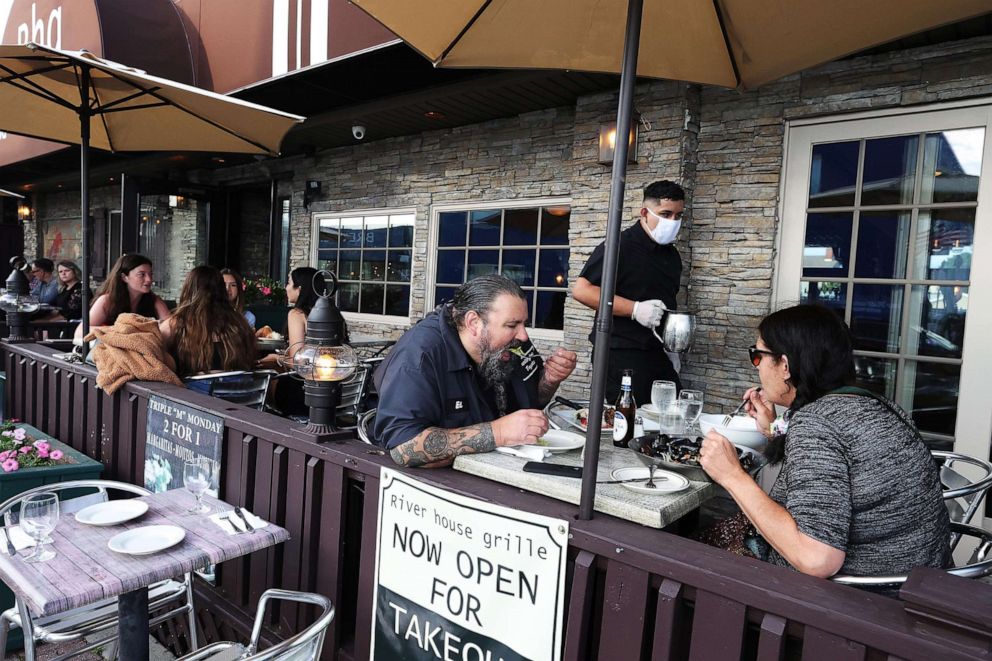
[(755, 354)]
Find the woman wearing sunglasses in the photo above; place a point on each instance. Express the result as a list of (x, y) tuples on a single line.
[(858, 493)]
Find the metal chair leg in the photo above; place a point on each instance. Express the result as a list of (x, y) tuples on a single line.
[(191, 616), (27, 626), (4, 631)]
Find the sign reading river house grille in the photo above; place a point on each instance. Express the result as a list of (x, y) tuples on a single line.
[(458, 578)]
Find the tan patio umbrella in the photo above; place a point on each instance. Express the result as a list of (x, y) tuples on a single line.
[(732, 43), (75, 97)]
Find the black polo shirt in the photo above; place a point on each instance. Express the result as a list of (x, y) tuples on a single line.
[(428, 380), (645, 271)]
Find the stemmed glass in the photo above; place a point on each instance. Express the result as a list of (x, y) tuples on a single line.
[(693, 406), (197, 476), (39, 515)]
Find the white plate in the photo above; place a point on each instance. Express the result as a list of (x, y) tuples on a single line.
[(648, 410), (111, 512), (556, 440), (584, 413), (146, 540), (742, 430), (671, 483)]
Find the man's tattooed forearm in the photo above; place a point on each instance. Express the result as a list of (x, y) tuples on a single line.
[(437, 446), (545, 391)]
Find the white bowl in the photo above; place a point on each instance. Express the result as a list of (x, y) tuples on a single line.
[(742, 430)]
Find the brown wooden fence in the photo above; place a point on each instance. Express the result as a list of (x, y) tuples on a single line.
[(632, 592)]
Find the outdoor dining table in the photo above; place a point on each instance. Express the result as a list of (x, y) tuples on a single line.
[(85, 570)]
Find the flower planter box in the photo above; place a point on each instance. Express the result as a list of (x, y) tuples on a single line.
[(78, 467)]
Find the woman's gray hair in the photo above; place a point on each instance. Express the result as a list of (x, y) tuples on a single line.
[(479, 294)]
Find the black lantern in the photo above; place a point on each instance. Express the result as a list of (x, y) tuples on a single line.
[(17, 302), (324, 361)]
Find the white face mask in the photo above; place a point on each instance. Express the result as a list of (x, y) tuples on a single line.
[(666, 231)]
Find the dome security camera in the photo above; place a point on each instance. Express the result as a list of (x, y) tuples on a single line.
[(358, 131)]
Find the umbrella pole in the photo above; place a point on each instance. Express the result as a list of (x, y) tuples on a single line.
[(84, 197), (604, 317)]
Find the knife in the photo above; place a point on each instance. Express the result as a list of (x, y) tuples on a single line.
[(11, 551), (659, 478), (240, 512), (569, 403)]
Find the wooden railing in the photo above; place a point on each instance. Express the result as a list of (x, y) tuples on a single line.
[(632, 592)]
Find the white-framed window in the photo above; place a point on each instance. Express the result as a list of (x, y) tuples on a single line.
[(371, 252), (885, 221), (526, 240)]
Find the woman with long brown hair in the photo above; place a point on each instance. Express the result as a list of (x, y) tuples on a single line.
[(234, 285), (128, 288), (205, 332)]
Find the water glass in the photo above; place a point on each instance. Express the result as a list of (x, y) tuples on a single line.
[(694, 405), (39, 516), (662, 394), (197, 476), (671, 419)]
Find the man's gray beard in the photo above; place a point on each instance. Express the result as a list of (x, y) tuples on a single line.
[(495, 371)]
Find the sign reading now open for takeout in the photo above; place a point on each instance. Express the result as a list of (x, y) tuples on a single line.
[(458, 578)]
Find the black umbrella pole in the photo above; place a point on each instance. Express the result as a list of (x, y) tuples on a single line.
[(604, 317), (84, 198)]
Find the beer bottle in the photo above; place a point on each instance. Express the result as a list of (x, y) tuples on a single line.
[(626, 408)]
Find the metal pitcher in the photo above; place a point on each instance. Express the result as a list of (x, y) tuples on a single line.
[(677, 329)]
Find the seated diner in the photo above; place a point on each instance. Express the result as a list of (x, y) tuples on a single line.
[(206, 333), (234, 285), (128, 288), (45, 285), (858, 493), (466, 379)]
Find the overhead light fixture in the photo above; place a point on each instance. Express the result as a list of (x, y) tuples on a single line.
[(561, 210), (608, 141), (23, 211), (434, 114), (311, 191)]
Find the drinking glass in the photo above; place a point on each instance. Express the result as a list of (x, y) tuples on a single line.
[(662, 394), (671, 419), (197, 475), (694, 405), (39, 515)]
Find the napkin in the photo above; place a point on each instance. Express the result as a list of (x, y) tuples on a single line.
[(528, 452), (20, 539), (232, 524)]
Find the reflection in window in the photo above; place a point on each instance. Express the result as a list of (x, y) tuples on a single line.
[(952, 163), (372, 257), (944, 244), (833, 174), (889, 170), (827, 249), (527, 244)]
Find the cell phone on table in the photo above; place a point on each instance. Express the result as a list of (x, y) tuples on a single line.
[(553, 469)]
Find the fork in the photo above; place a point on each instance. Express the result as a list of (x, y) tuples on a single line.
[(730, 416), (237, 530), (240, 512), (11, 549)]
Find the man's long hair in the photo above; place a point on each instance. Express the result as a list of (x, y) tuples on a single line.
[(478, 295)]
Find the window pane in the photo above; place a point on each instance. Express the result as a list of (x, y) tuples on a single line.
[(952, 163), (350, 264), (883, 244), (401, 231), (328, 233), (374, 265), (328, 260), (934, 391), (451, 228), (518, 265), (944, 244), (376, 228), (554, 225), (398, 300), (833, 174), (876, 317), (398, 269), (482, 262), (520, 227), (827, 250), (348, 297), (876, 374), (443, 294), (936, 325), (451, 266), (553, 271), (484, 228), (351, 232), (550, 312), (890, 170), (372, 297), (829, 294)]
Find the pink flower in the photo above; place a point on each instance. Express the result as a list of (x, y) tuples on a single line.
[(55, 455), (26, 449), (266, 290), (4, 455), (10, 465), (43, 453), (42, 445), (19, 434), (7, 433)]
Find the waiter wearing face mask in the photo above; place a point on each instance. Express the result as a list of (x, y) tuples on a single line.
[(648, 275)]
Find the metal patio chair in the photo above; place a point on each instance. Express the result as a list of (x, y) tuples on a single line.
[(304, 646), (246, 388), (364, 426), (962, 495), (100, 617)]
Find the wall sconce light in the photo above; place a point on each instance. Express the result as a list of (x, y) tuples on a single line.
[(311, 192), (178, 202), (23, 211), (608, 139)]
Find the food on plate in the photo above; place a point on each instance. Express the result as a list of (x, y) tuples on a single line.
[(542, 442), (264, 332), (608, 413), (685, 451), (275, 336)]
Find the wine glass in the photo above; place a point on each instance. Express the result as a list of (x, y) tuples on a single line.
[(197, 476), (662, 394), (39, 515), (693, 407)]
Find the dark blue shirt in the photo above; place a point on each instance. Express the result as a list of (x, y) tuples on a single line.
[(429, 380)]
